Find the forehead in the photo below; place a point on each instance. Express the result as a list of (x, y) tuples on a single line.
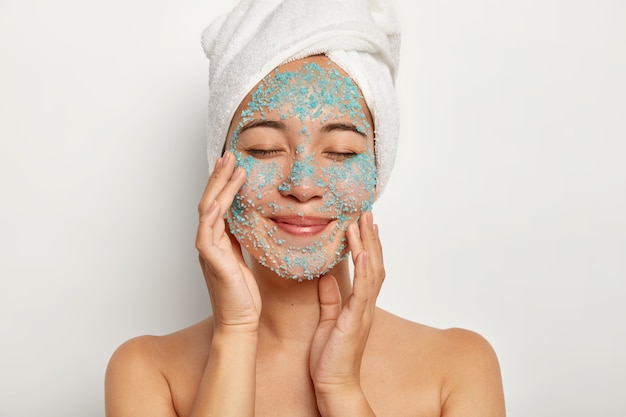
[(313, 87)]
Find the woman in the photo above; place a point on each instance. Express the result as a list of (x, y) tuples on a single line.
[(294, 332)]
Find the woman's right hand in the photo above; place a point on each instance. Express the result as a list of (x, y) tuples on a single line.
[(234, 293)]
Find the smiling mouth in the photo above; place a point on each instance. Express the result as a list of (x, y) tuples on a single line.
[(302, 226)]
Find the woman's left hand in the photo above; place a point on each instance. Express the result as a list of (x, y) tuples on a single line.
[(339, 341)]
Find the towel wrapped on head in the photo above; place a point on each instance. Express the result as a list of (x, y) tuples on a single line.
[(360, 36)]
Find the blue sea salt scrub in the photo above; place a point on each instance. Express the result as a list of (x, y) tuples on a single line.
[(304, 137)]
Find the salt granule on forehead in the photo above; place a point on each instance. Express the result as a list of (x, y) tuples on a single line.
[(348, 186), (361, 36), (312, 91)]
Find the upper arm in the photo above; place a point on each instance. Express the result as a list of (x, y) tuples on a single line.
[(134, 385), (473, 385)]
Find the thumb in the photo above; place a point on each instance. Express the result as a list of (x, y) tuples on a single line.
[(330, 299)]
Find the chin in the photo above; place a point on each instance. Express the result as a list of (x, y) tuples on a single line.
[(301, 258), (301, 264)]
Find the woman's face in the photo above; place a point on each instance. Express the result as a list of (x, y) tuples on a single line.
[(305, 138)]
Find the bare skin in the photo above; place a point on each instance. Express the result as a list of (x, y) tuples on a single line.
[(278, 347), (408, 370)]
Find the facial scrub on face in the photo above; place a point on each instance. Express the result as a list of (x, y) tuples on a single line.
[(247, 49), (360, 36), (304, 138)]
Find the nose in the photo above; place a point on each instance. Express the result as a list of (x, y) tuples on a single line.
[(303, 182)]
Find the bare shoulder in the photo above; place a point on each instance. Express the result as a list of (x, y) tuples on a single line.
[(140, 371), (458, 367), (472, 384), (462, 349)]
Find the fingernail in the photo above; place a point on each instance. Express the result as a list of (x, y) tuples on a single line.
[(218, 163)]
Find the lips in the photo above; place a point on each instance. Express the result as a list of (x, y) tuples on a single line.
[(301, 226)]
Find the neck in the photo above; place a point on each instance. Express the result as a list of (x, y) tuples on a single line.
[(290, 310)]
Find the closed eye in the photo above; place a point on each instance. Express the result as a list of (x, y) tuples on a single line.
[(263, 153), (340, 156)]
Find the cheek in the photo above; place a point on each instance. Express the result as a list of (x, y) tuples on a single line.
[(252, 198), (351, 186), (349, 189), (262, 177)]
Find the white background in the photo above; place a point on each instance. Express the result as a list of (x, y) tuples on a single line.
[(505, 214)]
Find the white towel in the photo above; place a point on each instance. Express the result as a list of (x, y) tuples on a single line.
[(360, 36)]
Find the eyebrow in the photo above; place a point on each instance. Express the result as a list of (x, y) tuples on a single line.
[(329, 127), (273, 124), (279, 125)]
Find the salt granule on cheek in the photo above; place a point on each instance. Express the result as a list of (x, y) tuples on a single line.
[(309, 93)]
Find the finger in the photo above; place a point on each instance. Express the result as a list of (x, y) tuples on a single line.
[(214, 248), (354, 241), (235, 245), (371, 244), (218, 170), (330, 300), (204, 236), (223, 183), (367, 284), (227, 194), (361, 286), (367, 230), (330, 306)]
